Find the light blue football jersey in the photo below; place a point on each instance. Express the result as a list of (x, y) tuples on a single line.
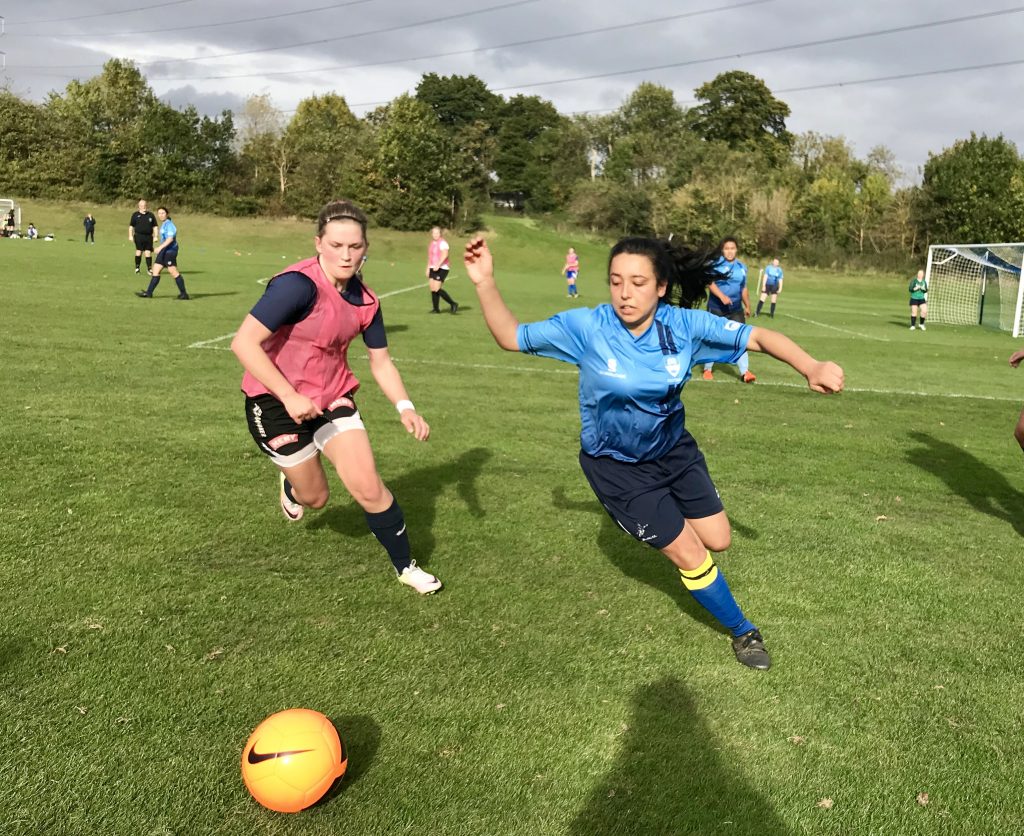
[(629, 386), (772, 274)]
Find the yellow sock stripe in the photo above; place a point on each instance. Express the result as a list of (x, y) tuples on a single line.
[(701, 577)]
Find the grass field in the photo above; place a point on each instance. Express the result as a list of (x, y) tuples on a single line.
[(158, 606)]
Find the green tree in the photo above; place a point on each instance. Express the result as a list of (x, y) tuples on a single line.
[(95, 130), (325, 145), (646, 136), (22, 137), (737, 108), (410, 178), (459, 100), (974, 191), (524, 121)]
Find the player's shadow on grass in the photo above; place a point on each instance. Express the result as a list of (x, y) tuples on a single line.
[(671, 776), (984, 487), (636, 561), (360, 735), (417, 492)]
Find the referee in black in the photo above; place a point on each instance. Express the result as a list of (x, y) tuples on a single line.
[(142, 230)]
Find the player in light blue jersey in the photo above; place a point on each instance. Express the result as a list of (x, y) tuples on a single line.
[(728, 297), (166, 256), (771, 285), (634, 356)]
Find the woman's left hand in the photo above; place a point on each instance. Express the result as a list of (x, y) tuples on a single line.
[(414, 423)]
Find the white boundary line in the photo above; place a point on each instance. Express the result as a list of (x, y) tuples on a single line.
[(760, 384), (834, 328), (209, 343)]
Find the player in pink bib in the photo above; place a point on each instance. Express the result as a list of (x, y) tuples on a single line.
[(438, 266), (571, 270), (300, 390)]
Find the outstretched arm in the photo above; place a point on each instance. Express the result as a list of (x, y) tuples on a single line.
[(500, 320), (390, 382), (822, 375)]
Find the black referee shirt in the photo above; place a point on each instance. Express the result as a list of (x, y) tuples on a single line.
[(143, 223)]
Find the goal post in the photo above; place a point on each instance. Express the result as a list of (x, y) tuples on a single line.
[(976, 284)]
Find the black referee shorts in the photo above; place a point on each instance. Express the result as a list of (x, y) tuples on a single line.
[(652, 500)]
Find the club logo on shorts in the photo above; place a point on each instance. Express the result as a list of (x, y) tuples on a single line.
[(340, 402), (641, 530), (672, 367), (257, 415), (279, 441)]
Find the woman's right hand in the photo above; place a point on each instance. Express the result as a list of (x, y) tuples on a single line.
[(479, 262), (301, 408)]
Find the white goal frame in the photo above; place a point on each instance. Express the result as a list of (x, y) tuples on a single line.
[(969, 281)]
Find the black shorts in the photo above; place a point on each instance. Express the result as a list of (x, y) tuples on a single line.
[(735, 313), (771, 288), (652, 500), (168, 257), (144, 243), (440, 274), (918, 302), (288, 443)]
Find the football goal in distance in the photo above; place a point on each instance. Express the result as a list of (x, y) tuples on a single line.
[(976, 284)]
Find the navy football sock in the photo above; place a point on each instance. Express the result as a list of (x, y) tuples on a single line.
[(389, 528), (153, 282)]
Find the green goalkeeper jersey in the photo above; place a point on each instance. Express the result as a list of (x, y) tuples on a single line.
[(918, 289)]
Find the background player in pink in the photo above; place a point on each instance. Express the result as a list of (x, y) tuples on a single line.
[(571, 270), (300, 390), (437, 271)]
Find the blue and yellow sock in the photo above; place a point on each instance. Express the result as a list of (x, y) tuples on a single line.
[(708, 586)]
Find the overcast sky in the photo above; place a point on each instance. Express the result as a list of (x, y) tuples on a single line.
[(214, 53)]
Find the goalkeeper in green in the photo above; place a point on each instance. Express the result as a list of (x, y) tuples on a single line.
[(918, 299)]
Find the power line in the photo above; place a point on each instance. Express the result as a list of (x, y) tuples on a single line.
[(164, 29), (901, 76), (616, 28), (458, 16), (146, 8), (766, 51)]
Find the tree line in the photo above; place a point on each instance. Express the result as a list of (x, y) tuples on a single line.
[(453, 149)]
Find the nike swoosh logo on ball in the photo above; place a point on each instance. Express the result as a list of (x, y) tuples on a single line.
[(254, 758)]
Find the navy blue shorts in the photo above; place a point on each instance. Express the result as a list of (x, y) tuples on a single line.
[(168, 257), (771, 288), (735, 313), (652, 500)]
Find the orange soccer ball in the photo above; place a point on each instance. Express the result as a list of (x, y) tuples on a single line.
[(291, 760)]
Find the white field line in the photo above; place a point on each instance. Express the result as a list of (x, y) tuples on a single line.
[(760, 384), (834, 328), (210, 343)]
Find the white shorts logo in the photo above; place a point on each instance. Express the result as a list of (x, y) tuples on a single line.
[(731, 325)]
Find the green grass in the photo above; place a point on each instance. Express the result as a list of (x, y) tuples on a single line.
[(158, 606)]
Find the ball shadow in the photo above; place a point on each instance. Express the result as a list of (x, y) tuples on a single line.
[(360, 738)]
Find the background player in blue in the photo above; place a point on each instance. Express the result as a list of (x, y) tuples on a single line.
[(634, 356), (166, 256), (728, 297), (771, 285)]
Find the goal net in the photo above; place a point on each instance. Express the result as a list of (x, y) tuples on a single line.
[(976, 284)]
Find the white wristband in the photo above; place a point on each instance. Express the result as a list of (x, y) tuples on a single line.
[(401, 406)]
